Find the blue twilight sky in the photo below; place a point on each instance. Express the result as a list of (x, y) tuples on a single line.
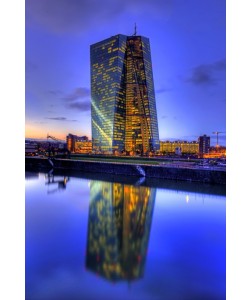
[(188, 50)]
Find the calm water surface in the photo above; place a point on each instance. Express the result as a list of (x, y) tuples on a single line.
[(95, 239)]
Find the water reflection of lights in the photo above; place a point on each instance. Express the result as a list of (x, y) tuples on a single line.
[(187, 198), (57, 182), (119, 224)]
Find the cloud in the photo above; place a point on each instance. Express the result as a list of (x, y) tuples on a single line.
[(78, 93), (60, 119), (82, 106), (219, 65), (163, 90), (79, 15), (55, 92), (29, 67), (78, 99), (206, 73)]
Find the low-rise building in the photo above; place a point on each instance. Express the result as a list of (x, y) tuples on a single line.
[(184, 147), (216, 152), (83, 147), (72, 139)]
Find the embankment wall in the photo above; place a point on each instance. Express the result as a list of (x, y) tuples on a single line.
[(164, 172)]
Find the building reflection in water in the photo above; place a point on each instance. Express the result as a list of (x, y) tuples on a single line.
[(59, 184), (119, 224)]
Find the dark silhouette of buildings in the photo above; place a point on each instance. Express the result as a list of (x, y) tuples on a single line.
[(204, 144)]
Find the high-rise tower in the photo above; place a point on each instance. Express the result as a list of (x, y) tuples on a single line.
[(123, 107)]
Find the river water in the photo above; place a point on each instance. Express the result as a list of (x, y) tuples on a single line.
[(98, 237)]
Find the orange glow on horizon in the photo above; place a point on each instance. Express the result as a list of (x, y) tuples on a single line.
[(36, 132)]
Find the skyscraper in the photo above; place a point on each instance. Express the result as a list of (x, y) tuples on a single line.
[(123, 107)]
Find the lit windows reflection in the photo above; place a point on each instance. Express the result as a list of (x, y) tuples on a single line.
[(119, 224)]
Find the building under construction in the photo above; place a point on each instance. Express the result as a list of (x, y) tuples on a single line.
[(123, 108)]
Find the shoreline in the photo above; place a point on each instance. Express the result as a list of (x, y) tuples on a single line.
[(177, 173)]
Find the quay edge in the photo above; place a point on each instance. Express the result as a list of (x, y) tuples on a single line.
[(210, 176)]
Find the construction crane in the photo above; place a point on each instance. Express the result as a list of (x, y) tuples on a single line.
[(217, 133), (62, 143), (61, 183), (62, 147), (54, 138)]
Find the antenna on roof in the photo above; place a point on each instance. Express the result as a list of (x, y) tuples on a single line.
[(135, 29)]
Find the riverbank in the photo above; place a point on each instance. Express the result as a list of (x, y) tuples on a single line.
[(177, 172)]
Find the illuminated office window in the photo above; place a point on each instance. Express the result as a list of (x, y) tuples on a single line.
[(123, 105)]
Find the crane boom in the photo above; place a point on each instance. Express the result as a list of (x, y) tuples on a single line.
[(217, 133), (54, 138), (60, 148)]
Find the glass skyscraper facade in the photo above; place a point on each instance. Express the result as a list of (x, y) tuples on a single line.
[(123, 107)]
